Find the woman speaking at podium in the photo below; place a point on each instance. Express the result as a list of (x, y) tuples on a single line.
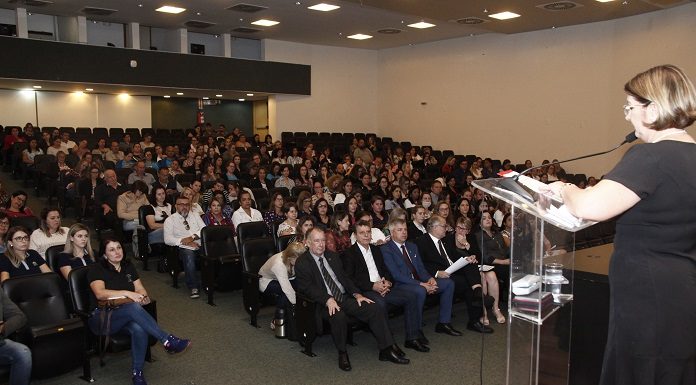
[(652, 275)]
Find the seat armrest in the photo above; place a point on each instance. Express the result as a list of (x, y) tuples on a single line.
[(58, 327)]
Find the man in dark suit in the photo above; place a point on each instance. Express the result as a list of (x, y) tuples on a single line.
[(320, 277), (438, 253), (364, 265), (404, 263)]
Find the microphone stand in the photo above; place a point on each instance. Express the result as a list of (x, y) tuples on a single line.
[(512, 184)]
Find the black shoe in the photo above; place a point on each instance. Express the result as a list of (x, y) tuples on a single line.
[(398, 351), (479, 327), (422, 339), (447, 329), (416, 345), (343, 361), (389, 354)]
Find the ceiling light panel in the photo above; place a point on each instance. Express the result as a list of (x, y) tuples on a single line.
[(265, 22), (504, 15), (324, 7), (360, 36), (421, 25), (170, 9)]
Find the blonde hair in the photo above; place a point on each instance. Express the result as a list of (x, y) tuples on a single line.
[(672, 92), (69, 247), (294, 250)]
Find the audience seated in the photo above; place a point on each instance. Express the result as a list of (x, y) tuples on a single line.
[(4, 227), (16, 206), (275, 211), (140, 174), (438, 253), (50, 233), (320, 277), (364, 265), (183, 230), (289, 225), (406, 267), (156, 213), (78, 250), (245, 213), (215, 215), (129, 203), (338, 235), (115, 276), (18, 259), (14, 354)]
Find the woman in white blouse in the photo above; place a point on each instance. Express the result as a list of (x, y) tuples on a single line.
[(50, 233), (277, 274)]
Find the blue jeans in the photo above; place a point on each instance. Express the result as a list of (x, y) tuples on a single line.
[(139, 324), (188, 259), (156, 236), (274, 288), (18, 357), (129, 225)]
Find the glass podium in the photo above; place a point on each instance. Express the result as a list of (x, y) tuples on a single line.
[(540, 295)]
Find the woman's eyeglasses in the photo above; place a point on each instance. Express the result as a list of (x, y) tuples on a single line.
[(24, 238)]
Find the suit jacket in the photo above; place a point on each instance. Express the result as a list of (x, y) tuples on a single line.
[(432, 259), (413, 232), (393, 258), (356, 267), (310, 282)]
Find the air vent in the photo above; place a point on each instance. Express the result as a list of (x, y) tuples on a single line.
[(198, 24), (389, 31), (246, 8), (471, 20), (559, 6), (32, 3), (245, 30), (94, 11)]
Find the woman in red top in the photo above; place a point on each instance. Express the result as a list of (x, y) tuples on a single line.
[(16, 206)]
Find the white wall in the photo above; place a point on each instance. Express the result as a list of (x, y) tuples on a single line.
[(164, 39), (57, 109), (101, 33), (8, 16), (247, 48), (213, 45), (344, 93), (539, 95)]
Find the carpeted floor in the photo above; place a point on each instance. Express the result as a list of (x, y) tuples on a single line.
[(227, 350)]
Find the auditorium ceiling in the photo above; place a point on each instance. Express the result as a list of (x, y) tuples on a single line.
[(386, 21)]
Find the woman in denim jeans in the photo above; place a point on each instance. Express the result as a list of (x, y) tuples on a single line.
[(115, 277)]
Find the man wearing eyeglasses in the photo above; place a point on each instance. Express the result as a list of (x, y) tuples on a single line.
[(438, 253), (184, 231)]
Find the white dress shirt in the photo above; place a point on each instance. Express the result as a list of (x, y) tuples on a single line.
[(175, 229), (437, 247), (370, 262)]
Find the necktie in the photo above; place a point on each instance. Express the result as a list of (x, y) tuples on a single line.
[(409, 264), (442, 252), (335, 292)]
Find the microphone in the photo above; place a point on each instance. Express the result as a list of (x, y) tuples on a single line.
[(629, 138), (511, 184)]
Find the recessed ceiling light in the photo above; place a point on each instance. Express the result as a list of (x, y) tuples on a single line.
[(242, 99), (605, 1), (198, 13), (124, 94), (170, 9), (359, 36), (504, 15), (250, 94), (205, 98), (140, 5), (421, 25), (79, 93), (218, 95), (265, 23), (324, 7), (37, 87), (167, 96), (89, 89), (179, 93)]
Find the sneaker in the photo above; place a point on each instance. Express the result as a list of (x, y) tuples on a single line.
[(194, 294), (175, 345), (138, 378)]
